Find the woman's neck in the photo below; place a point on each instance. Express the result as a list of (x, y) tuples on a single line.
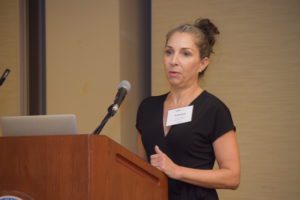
[(183, 96)]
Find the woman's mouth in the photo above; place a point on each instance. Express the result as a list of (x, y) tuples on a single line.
[(173, 73)]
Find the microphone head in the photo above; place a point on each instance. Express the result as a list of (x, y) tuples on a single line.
[(125, 84)]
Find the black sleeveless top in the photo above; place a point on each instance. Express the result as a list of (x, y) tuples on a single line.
[(188, 144)]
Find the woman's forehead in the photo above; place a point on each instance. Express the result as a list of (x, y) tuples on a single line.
[(182, 40)]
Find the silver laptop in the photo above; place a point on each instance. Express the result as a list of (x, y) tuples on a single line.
[(38, 125)]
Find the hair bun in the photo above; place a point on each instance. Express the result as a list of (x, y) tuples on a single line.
[(208, 28)]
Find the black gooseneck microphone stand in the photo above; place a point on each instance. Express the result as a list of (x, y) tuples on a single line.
[(4, 75), (123, 89), (110, 113)]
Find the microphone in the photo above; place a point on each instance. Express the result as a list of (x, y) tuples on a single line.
[(4, 76), (123, 88)]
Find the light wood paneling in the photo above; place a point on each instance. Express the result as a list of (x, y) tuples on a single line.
[(92, 46), (83, 61), (135, 63), (12, 56)]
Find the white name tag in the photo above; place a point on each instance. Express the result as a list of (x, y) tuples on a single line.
[(179, 115)]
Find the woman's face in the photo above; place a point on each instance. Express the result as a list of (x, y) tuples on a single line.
[(182, 60)]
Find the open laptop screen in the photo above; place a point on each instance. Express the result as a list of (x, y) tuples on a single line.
[(38, 125)]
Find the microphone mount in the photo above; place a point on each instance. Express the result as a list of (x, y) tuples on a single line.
[(123, 89), (110, 113)]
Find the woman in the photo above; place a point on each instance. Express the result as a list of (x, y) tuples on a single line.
[(184, 131)]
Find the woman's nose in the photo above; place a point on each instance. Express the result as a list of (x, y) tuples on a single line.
[(174, 59)]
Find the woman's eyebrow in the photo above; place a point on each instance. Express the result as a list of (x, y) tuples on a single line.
[(184, 48)]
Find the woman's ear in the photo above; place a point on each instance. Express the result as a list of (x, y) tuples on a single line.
[(203, 64)]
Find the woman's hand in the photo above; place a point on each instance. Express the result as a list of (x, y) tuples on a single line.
[(226, 177), (162, 162)]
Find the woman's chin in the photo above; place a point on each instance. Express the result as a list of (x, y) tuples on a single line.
[(175, 83)]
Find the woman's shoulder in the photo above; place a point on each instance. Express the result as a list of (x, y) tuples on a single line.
[(151, 103), (213, 100), (154, 99)]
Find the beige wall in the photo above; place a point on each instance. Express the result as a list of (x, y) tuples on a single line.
[(91, 47), (134, 63), (12, 95), (83, 61), (255, 71)]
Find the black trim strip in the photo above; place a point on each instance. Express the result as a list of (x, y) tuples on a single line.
[(37, 57)]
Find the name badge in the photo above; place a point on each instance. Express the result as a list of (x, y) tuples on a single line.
[(179, 115)]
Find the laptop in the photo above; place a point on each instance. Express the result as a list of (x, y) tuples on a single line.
[(63, 124)]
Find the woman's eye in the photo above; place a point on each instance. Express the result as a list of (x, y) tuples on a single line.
[(168, 52), (187, 54)]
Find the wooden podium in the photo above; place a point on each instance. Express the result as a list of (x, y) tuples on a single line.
[(81, 167)]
